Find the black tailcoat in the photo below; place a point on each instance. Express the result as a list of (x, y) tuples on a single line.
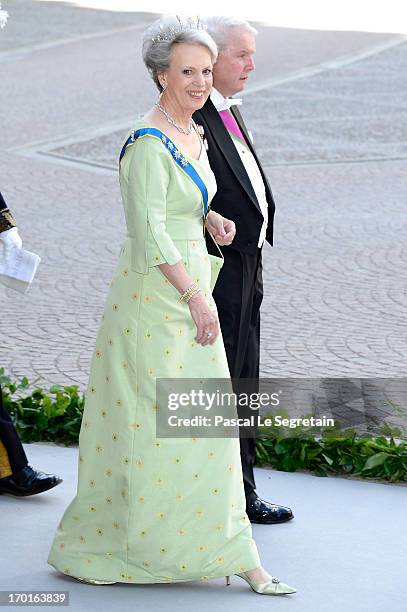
[(239, 290)]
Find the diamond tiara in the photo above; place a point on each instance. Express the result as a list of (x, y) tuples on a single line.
[(168, 34)]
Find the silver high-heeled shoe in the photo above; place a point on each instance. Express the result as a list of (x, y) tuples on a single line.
[(89, 581), (271, 587)]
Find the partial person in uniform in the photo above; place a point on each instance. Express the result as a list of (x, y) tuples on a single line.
[(244, 196), (17, 478)]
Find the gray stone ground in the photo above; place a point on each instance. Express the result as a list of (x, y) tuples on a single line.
[(345, 550)]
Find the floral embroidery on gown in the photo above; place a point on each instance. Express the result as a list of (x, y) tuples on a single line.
[(150, 509)]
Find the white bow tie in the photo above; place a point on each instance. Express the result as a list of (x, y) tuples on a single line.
[(227, 103)]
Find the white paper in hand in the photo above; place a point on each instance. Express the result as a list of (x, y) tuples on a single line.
[(18, 271)]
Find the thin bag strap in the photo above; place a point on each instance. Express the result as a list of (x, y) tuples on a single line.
[(217, 246)]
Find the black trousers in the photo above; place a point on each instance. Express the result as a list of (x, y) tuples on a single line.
[(238, 296), (11, 441)]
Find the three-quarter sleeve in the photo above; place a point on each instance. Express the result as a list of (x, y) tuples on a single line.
[(144, 178)]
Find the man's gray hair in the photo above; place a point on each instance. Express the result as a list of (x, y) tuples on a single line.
[(218, 28), (157, 55)]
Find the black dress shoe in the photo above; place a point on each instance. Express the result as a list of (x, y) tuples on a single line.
[(261, 511), (28, 482)]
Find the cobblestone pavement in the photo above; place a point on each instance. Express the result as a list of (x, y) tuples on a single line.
[(333, 142), (36, 24)]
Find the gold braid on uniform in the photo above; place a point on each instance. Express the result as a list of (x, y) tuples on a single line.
[(7, 220), (5, 467)]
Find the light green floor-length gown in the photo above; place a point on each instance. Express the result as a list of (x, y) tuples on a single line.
[(149, 509)]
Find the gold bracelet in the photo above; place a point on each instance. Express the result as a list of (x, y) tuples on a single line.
[(189, 292), (186, 296)]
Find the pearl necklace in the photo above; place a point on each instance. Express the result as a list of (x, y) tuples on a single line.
[(171, 120)]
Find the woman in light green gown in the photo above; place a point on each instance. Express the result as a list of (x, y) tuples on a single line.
[(151, 509)]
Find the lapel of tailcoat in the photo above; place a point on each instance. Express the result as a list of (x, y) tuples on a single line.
[(225, 143), (241, 124)]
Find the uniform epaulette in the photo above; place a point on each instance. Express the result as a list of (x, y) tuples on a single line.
[(7, 220)]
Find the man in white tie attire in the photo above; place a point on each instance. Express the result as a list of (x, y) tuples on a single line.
[(244, 196)]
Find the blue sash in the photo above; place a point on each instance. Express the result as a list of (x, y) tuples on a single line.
[(177, 156)]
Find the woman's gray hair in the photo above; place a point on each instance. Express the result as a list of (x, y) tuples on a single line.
[(157, 54), (218, 27)]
